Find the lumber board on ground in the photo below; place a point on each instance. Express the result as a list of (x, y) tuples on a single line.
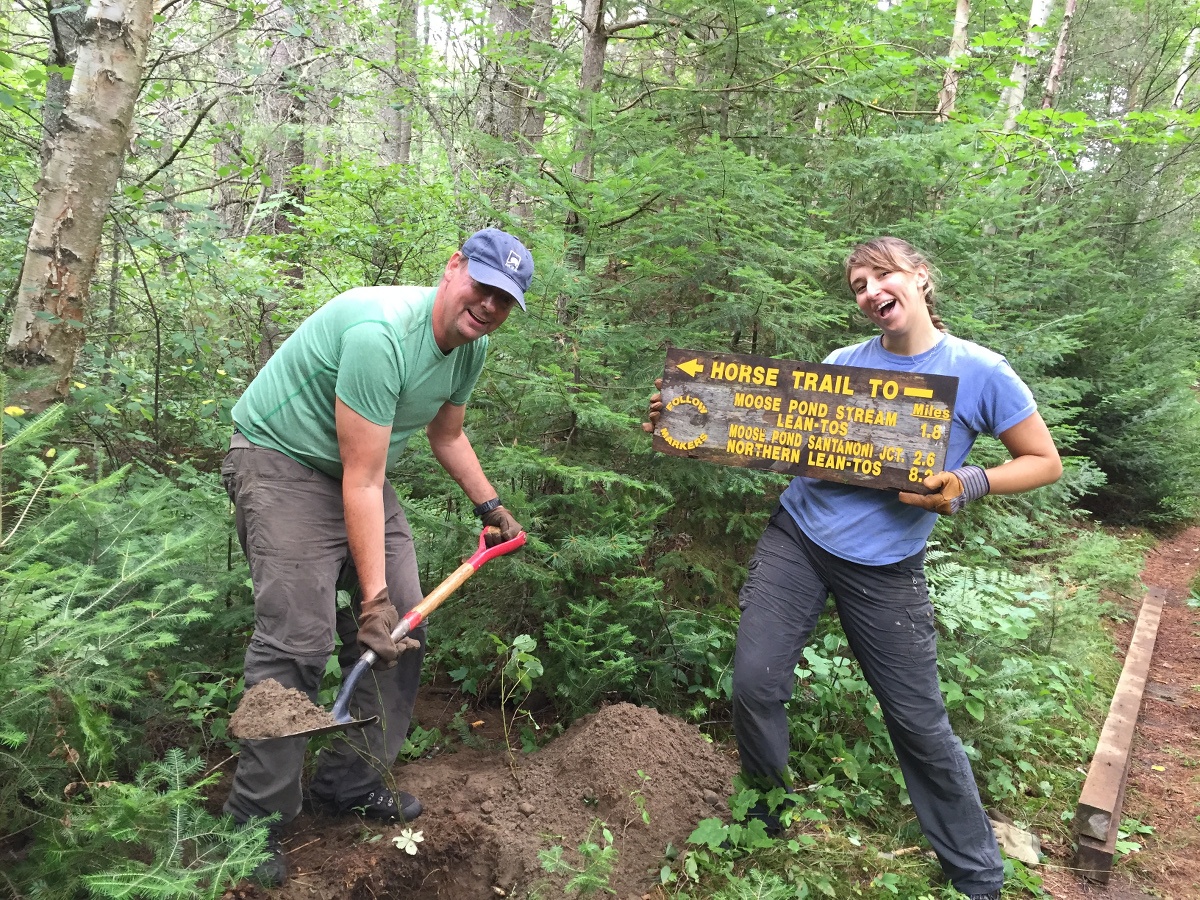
[(1093, 858), (1098, 812)]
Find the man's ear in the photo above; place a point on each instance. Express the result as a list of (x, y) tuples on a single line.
[(452, 264)]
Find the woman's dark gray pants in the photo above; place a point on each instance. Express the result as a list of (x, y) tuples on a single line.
[(888, 620)]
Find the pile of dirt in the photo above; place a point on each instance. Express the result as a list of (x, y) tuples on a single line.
[(269, 710), (647, 778)]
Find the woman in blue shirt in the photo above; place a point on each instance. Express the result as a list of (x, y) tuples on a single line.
[(866, 547)]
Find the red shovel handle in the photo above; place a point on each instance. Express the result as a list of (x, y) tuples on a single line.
[(486, 553), (417, 614), (434, 598)]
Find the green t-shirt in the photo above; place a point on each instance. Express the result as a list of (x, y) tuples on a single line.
[(373, 347)]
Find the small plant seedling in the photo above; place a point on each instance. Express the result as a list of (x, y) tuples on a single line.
[(639, 798)]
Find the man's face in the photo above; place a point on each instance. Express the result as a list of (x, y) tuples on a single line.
[(466, 310)]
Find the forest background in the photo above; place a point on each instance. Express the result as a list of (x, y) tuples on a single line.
[(183, 183)]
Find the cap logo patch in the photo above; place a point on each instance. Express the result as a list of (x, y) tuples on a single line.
[(513, 261)]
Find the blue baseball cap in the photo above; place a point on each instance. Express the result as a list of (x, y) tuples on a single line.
[(496, 258)]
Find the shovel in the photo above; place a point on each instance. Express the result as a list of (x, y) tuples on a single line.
[(413, 618)]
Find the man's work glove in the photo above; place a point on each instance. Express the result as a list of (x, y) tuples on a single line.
[(951, 490), (653, 409), (498, 523), (405, 644), (376, 622)]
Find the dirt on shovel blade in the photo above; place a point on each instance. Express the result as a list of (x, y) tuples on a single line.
[(270, 710)]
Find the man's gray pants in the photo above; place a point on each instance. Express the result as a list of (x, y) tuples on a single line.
[(888, 620), (291, 526)]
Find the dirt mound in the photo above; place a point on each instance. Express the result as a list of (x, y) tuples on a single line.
[(647, 777), (270, 710)]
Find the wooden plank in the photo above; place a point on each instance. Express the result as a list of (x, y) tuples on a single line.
[(869, 427), (1093, 858), (1099, 808)]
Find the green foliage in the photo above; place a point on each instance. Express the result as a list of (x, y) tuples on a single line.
[(1130, 836), (159, 817), (590, 873), (100, 578), (1097, 561), (593, 658)]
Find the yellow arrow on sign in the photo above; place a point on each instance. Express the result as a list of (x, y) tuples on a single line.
[(693, 367)]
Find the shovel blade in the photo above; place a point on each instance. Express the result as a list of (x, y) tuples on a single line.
[(326, 729)]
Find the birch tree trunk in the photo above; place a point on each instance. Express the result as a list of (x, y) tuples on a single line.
[(1185, 69), (1060, 57), (958, 46), (1012, 101), (74, 194)]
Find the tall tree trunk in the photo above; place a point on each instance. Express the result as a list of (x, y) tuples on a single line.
[(958, 46), (400, 41), (286, 105), (1060, 57), (502, 101), (74, 194), (1185, 69), (533, 122), (1012, 100), (533, 128), (66, 25), (591, 77)]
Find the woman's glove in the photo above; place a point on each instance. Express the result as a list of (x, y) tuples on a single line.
[(653, 409), (951, 490)]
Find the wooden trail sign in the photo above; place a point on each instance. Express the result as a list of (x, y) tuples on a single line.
[(870, 427)]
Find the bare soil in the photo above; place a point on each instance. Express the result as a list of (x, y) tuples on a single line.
[(488, 812), (647, 778), (1163, 789), (269, 710)]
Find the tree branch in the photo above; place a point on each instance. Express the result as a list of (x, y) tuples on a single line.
[(183, 143)]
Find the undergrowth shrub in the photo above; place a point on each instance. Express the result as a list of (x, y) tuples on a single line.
[(149, 838), (106, 594)]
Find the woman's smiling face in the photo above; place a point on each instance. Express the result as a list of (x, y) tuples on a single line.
[(891, 298)]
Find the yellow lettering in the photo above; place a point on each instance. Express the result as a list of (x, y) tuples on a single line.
[(682, 445), (690, 401)]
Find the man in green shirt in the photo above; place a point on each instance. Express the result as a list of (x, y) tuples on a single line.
[(314, 434)]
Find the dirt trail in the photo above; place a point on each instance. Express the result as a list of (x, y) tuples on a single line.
[(1164, 774)]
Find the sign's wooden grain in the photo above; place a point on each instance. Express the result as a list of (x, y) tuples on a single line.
[(869, 427)]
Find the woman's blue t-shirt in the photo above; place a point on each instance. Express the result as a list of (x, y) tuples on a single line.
[(872, 527)]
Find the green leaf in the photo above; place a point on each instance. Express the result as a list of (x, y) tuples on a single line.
[(709, 833)]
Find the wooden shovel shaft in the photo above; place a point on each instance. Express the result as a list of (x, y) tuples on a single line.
[(415, 616)]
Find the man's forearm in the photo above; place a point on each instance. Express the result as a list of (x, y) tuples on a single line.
[(364, 532), (458, 458)]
